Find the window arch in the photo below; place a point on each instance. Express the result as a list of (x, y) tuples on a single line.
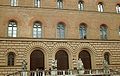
[(118, 8), (103, 31), (80, 5), (107, 57), (13, 2), (83, 31), (37, 29), (100, 7), (60, 4), (37, 3), (61, 30), (12, 28), (11, 58)]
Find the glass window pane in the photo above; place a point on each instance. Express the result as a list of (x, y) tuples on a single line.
[(37, 30), (103, 32), (37, 3), (9, 28), (83, 31), (100, 7), (80, 5), (118, 8), (34, 35), (14, 28), (34, 29), (61, 31), (14, 35), (59, 4)]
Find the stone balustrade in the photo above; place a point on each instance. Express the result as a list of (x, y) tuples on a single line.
[(94, 72)]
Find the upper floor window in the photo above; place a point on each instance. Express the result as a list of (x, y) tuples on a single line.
[(83, 31), (12, 29), (61, 30), (118, 8), (100, 7), (37, 30), (11, 59), (103, 31), (13, 2), (60, 4), (37, 3), (80, 5), (107, 57)]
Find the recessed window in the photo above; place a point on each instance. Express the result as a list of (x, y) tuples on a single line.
[(107, 57), (12, 29), (103, 32), (13, 2), (60, 30), (80, 5), (60, 4), (100, 7), (37, 3), (118, 8), (11, 59), (37, 30), (83, 31)]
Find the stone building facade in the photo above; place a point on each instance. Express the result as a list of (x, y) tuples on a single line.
[(98, 39)]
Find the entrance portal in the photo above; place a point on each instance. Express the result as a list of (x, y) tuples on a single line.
[(86, 59), (62, 60), (37, 60)]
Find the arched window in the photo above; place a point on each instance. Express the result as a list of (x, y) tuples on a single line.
[(37, 3), (11, 58), (103, 31), (86, 59), (83, 31), (80, 5), (37, 30), (60, 30), (118, 8), (60, 4), (62, 60), (100, 7), (107, 57), (37, 60), (12, 29), (13, 2)]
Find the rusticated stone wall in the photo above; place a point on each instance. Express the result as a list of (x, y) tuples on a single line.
[(24, 47)]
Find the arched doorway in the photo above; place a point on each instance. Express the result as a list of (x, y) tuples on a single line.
[(62, 60), (37, 60), (86, 59)]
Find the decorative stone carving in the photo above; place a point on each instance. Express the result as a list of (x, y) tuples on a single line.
[(105, 67), (54, 68), (80, 66)]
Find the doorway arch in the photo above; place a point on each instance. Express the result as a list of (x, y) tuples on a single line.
[(62, 60), (37, 60), (86, 59)]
